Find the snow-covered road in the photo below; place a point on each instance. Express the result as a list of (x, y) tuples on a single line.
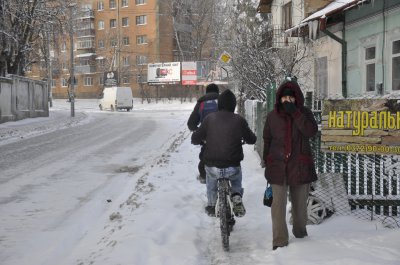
[(120, 189), (55, 186)]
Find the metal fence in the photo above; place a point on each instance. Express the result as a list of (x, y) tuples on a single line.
[(366, 186)]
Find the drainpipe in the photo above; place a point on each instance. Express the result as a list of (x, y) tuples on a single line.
[(344, 53)]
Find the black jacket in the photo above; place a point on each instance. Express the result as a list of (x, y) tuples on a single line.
[(194, 119), (223, 132)]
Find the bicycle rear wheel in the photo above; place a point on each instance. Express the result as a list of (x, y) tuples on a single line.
[(224, 212)]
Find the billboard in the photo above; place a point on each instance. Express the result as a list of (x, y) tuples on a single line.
[(367, 126), (189, 73), (110, 78), (164, 73)]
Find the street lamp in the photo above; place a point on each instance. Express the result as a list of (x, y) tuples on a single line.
[(71, 72)]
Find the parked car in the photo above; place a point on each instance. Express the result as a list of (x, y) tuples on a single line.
[(116, 98)]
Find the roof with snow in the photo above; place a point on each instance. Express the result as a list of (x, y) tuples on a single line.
[(332, 8)]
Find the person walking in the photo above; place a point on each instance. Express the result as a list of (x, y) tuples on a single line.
[(223, 131), (288, 159), (205, 105)]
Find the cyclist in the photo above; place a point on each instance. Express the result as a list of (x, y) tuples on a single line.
[(205, 105), (223, 132)]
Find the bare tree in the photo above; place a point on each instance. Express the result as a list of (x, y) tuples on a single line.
[(257, 63), (24, 25)]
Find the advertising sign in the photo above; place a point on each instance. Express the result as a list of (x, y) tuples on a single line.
[(163, 73), (110, 78), (189, 73), (367, 126)]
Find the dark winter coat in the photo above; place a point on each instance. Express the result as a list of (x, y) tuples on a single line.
[(287, 151), (223, 132), (194, 119)]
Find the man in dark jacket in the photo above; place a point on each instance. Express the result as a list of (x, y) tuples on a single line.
[(204, 106), (223, 132), (288, 159)]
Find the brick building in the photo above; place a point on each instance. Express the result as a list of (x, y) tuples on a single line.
[(112, 35)]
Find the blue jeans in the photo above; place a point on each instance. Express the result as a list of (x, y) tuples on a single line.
[(213, 174)]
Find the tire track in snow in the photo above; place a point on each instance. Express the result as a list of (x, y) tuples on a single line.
[(143, 187)]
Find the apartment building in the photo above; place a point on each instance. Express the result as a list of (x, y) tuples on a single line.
[(113, 35)]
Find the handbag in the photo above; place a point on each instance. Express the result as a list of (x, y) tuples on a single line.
[(267, 198)]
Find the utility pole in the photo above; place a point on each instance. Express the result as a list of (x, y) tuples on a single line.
[(119, 24), (71, 71), (49, 70)]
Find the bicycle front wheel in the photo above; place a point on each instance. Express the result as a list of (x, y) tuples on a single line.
[(224, 213)]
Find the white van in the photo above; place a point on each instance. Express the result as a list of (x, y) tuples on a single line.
[(115, 98)]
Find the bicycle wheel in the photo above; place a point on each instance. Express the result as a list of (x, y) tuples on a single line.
[(224, 213)]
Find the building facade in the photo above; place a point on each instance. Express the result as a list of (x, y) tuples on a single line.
[(111, 35), (373, 47)]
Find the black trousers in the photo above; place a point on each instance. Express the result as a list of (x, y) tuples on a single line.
[(201, 168)]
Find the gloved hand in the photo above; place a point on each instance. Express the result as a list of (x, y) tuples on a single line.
[(289, 107)]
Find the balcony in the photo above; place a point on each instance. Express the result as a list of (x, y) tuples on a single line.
[(85, 69), (280, 39), (86, 14), (85, 33)]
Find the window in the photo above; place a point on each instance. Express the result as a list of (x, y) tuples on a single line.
[(125, 21), (141, 2), (28, 68), (141, 20), (321, 76), (112, 4), (396, 65), (84, 61), (53, 83), (141, 59), (141, 78), (101, 80), (370, 68), (287, 15), (125, 80), (101, 44), (101, 24), (84, 44), (125, 61), (141, 39), (43, 65), (63, 46), (88, 81), (113, 42), (101, 61), (113, 23), (64, 82), (125, 41), (100, 5), (124, 3), (75, 81)]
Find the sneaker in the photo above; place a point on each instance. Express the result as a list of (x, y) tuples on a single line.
[(201, 179), (210, 210), (238, 207)]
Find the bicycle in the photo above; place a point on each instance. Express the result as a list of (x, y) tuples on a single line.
[(224, 210)]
